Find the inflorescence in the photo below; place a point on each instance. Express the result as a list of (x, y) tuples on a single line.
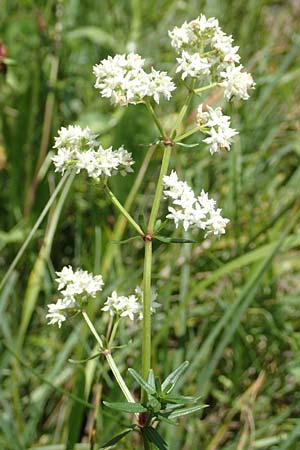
[(76, 288), (123, 80), (208, 54), (192, 211), (214, 123), (78, 149)]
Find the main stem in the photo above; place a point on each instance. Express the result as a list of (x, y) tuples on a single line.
[(146, 350)]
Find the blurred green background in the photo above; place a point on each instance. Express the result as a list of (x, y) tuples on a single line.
[(230, 306)]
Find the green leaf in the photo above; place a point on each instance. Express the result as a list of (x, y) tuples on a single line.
[(158, 385), (126, 240), (126, 407), (185, 411), (187, 145), (81, 361), (151, 378), (167, 240), (180, 399), (145, 385), (154, 403), (160, 225), (172, 379), (154, 437), (157, 225), (116, 439), (165, 418)]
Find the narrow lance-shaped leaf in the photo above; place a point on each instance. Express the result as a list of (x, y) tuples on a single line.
[(81, 361), (126, 407), (145, 385), (151, 378), (168, 240), (116, 439), (185, 411), (156, 439), (173, 377), (181, 399)]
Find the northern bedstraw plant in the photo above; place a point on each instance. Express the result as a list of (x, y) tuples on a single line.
[(206, 60)]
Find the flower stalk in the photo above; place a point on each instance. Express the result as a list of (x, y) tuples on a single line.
[(122, 210), (110, 360)]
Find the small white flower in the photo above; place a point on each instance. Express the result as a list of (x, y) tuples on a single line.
[(206, 51), (128, 306), (181, 36), (160, 84), (236, 83), (79, 150), (55, 317), (140, 295), (192, 35), (63, 160), (76, 287), (217, 126), (223, 44), (122, 305), (192, 211), (123, 80), (193, 65)]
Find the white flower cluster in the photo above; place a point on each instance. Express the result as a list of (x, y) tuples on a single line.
[(217, 126), (207, 52), (191, 210), (123, 79), (76, 288), (128, 306), (78, 149)]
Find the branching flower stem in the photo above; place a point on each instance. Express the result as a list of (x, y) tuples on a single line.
[(187, 134), (146, 350), (183, 110), (110, 360), (205, 88), (121, 208), (155, 118)]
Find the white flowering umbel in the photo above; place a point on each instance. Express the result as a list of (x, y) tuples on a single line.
[(78, 149), (76, 288), (208, 54), (122, 306), (128, 306), (192, 211), (214, 123), (123, 80)]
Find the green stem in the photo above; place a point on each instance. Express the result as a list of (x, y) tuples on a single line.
[(119, 378), (147, 444), (110, 360), (155, 118), (159, 188), (146, 350), (93, 330), (121, 208), (205, 88), (113, 333), (187, 134), (183, 110)]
